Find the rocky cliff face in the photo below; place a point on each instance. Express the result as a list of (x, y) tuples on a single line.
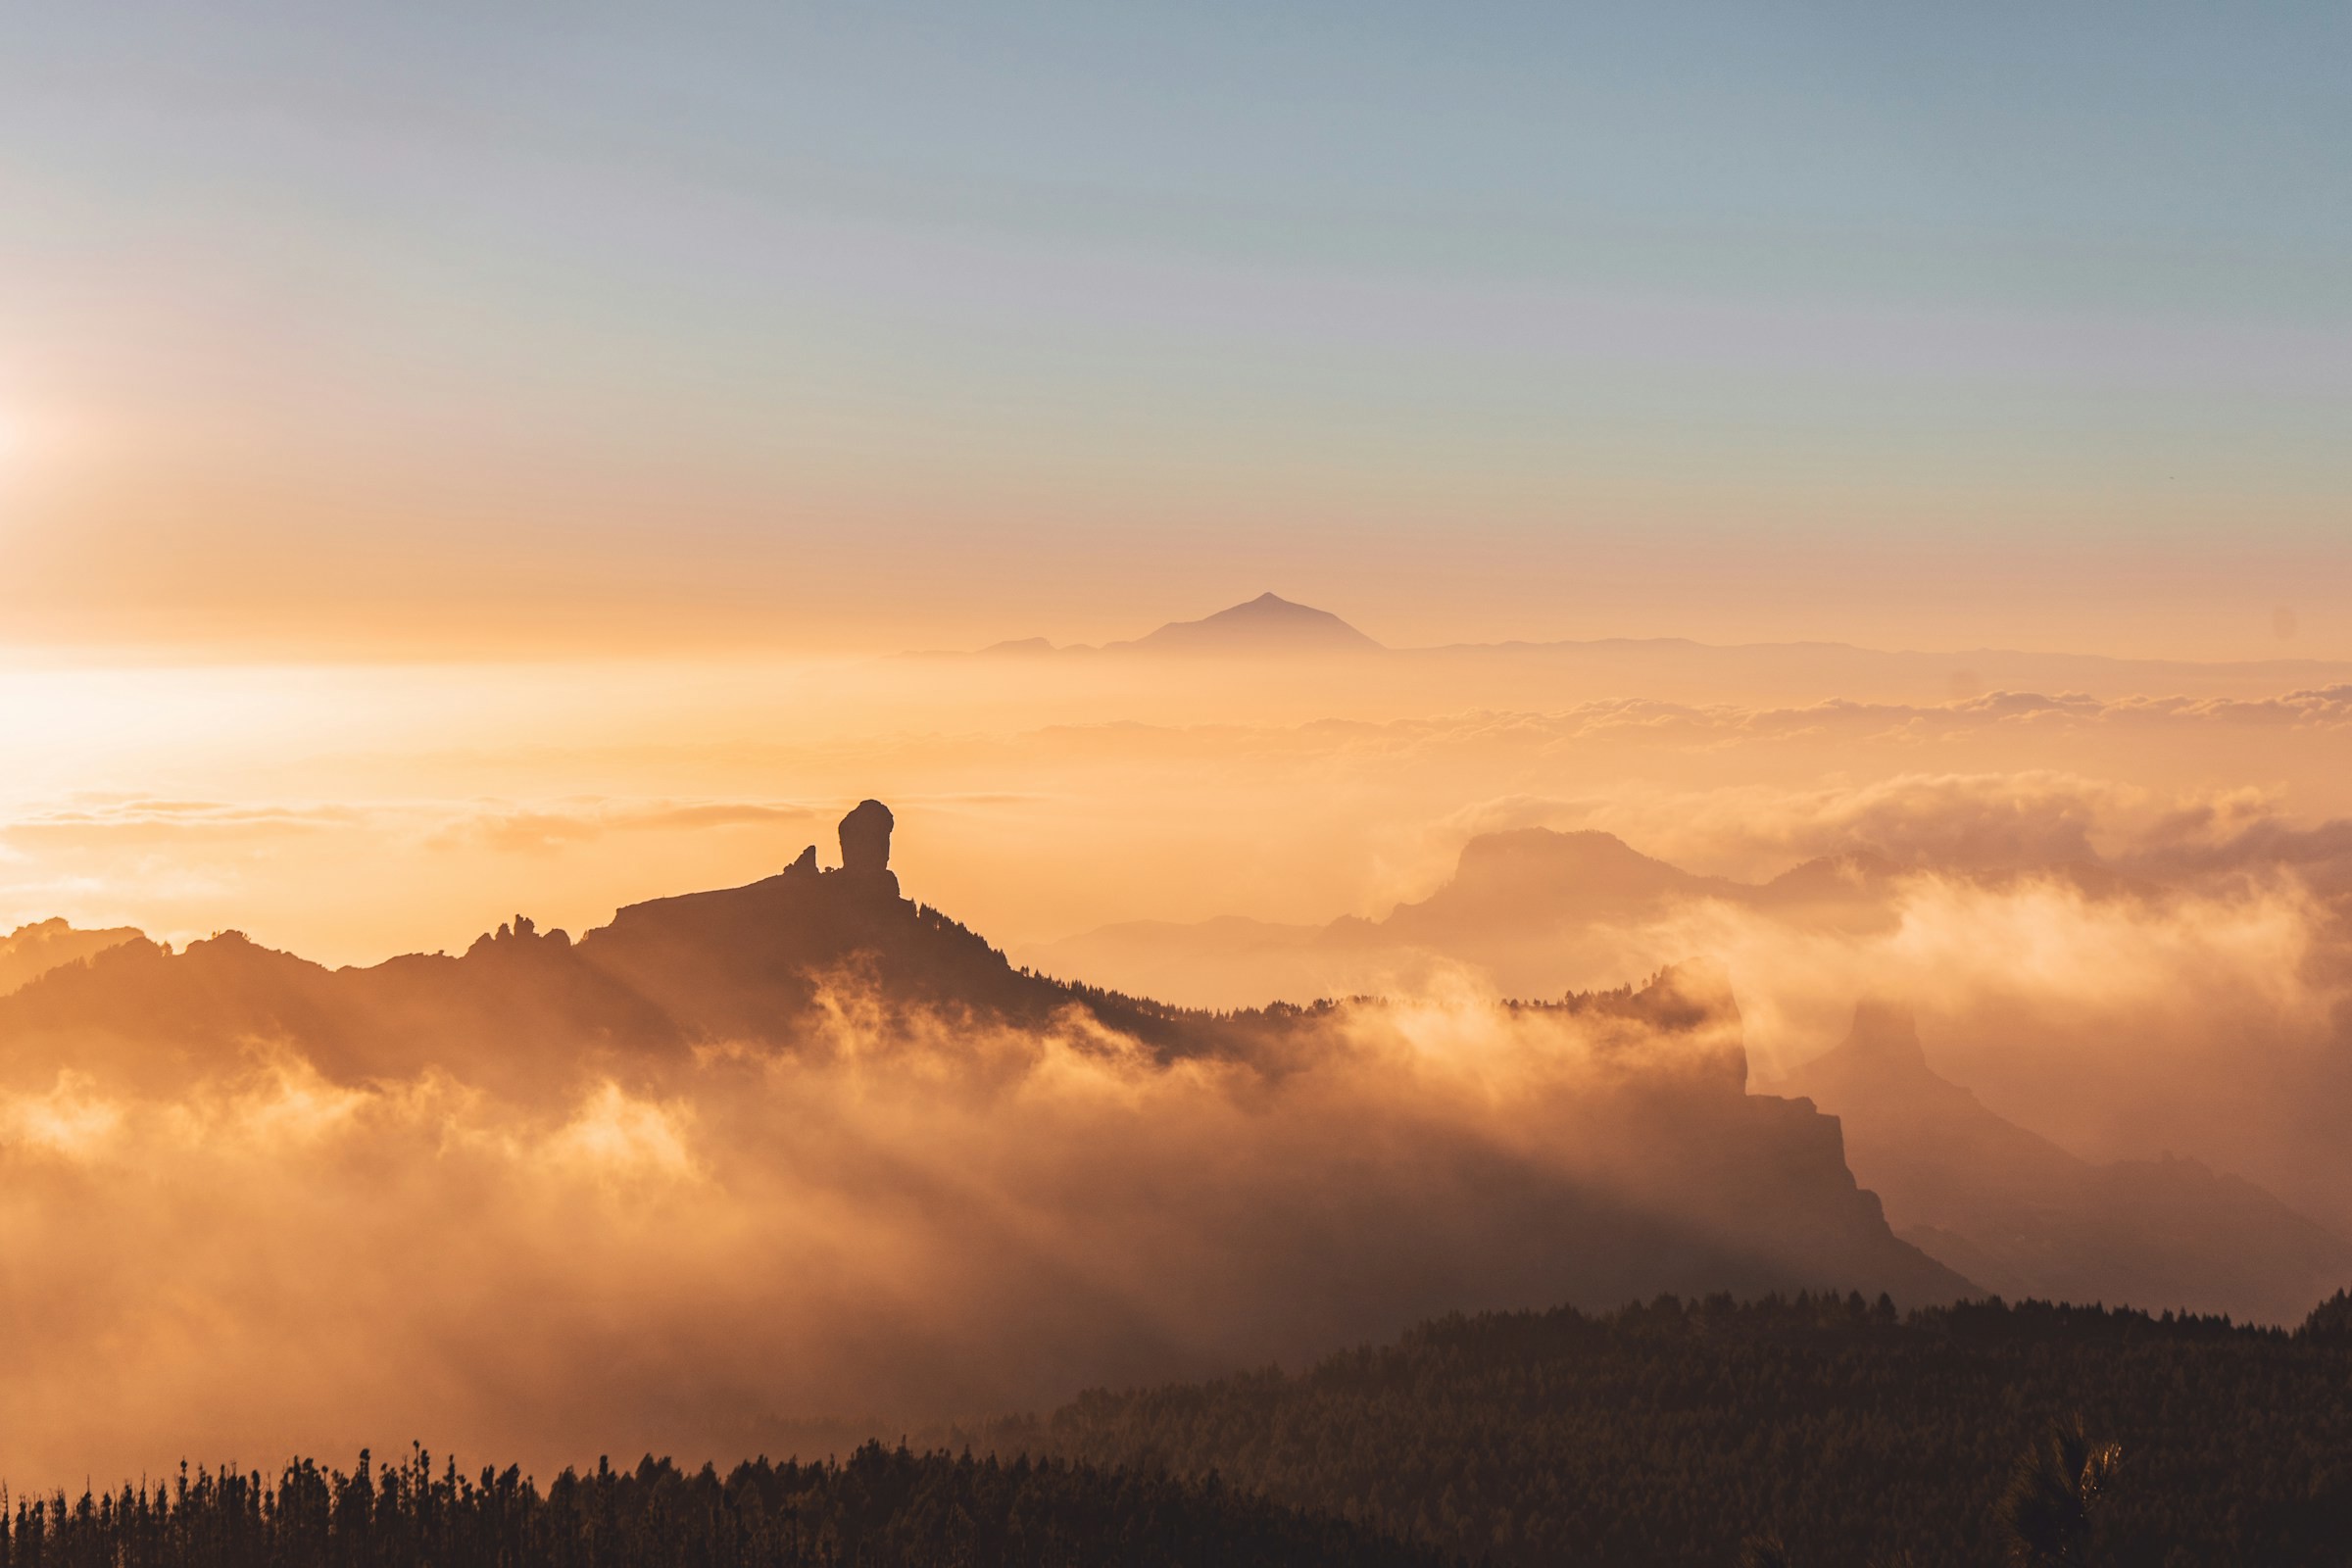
[(1679, 1134), (2022, 1217)]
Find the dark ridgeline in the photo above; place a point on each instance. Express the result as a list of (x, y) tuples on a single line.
[(1848, 1433), (740, 964), (879, 1507)]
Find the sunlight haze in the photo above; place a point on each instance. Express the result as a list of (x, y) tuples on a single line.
[(816, 786)]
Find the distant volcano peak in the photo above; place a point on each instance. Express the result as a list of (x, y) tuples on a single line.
[(1268, 622)]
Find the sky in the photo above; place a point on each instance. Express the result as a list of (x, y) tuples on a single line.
[(468, 462), (425, 331), (478, 456)]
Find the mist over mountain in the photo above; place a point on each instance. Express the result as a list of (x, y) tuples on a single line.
[(1531, 910), (2025, 1218), (806, 1147), (1520, 905), (33, 951), (1588, 714)]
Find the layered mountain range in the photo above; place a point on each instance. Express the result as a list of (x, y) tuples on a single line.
[(1658, 1170), (1519, 905), (2011, 1210)]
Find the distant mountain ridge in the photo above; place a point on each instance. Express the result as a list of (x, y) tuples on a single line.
[(1513, 908), (1524, 671), (1997, 1203), (1682, 1180), (2025, 1219), (33, 951), (1266, 624)]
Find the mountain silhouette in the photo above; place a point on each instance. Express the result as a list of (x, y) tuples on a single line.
[(1504, 881), (33, 951), (1519, 905), (1266, 624), (755, 965), (1514, 906), (1997, 1203), (1540, 675), (1680, 1178), (2022, 1217)]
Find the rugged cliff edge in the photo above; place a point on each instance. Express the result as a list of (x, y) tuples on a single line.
[(2023, 1217)]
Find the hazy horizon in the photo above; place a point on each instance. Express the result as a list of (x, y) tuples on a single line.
[(397, 332), (1695, 652)]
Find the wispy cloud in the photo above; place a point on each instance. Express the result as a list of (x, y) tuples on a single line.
[(523, 830)]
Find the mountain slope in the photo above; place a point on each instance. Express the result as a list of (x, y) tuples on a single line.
[(1668, 1432), (33, 951), (2022, 1217), (879, 1507), (1656, 1169)]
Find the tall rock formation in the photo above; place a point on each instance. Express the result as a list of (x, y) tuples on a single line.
[(865, 847)]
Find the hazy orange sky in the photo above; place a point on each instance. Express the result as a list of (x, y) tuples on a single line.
[(476, 459), (405, 333), (462, 462)]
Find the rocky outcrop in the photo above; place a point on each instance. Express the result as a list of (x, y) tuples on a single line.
[(865, 847), (522, 933)]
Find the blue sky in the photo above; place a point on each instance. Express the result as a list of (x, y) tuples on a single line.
[(576, 301)]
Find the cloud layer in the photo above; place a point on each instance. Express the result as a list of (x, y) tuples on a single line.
[(908, 1217)]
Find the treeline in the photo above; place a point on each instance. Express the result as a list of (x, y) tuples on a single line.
[(1818, 1432), (884, 1508), (1841, 1431)]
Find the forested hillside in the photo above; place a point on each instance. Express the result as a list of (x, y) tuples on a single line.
[(1672, 1433), (880, 1507)]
